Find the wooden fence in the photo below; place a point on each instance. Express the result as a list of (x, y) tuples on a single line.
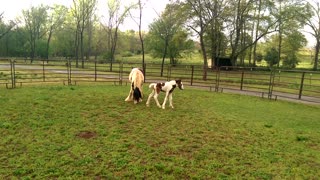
[(272, 84)]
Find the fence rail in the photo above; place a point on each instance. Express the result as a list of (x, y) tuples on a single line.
[(273, 84)]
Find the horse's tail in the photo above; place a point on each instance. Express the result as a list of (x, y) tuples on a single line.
[(137, 94)]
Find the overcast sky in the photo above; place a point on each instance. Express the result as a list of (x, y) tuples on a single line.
[(152, 8)]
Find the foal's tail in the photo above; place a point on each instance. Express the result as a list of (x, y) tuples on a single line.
[(152, 85)]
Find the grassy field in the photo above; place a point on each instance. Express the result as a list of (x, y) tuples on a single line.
[(89, 132)]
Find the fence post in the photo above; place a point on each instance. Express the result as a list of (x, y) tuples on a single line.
[(43, 71), (217, 79), (95, 70), (301, 85), (13, 74), (145, 71), (192, 71), (69, 72), (120, 73), (271, 83), (242, 75)]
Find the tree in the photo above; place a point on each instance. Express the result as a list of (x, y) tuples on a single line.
[(141, 34), (312, 18), (83, 12), (35, 21), (291, 44), (173, 47), (4, 28), (288, 19), (239, 16), (166, 33), (271, 56), (196, 12), (215, 37), (56, 18), (179, 46), (63, 43), (237, 25), (158, 39), (115, 19)]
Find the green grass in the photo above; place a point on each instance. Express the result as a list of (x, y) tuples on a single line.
[(207, 136)]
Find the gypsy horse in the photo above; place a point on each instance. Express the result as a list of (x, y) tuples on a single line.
[(136, 78), (166, 87)]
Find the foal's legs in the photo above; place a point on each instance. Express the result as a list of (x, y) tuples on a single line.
[(165, 100), (170, 100), (155, 96), (156, 99), (150, 96)]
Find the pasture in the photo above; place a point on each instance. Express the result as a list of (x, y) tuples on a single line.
[(89, 131)]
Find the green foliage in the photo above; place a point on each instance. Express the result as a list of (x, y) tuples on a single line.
[(259, 57), (177, 43), (292, 43), (41, 50), (127, 54), (167, 38), (107, 56), (290, 61), (272, 56)]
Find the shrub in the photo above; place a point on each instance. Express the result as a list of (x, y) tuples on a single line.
[(272, 57)]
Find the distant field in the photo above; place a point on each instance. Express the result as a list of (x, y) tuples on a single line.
[(89, 132), (305, 57)]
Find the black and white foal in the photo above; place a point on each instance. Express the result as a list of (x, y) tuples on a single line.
[(166, 87)]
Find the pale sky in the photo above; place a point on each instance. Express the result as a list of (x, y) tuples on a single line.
[(152, 8)]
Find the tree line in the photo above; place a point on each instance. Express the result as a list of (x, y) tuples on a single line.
[(246, 31)]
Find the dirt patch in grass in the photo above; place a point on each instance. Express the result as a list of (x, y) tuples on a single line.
[(86, 134)]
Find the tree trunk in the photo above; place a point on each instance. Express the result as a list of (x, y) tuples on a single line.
[(48, 44), (76, 46), (113, 46), (316, 55), (88, 54), (140, 35), (164, 56), (81, 48), (234, 55), (205, 59), (256, 35), (280, 37)]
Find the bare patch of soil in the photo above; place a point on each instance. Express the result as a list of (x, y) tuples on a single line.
[(86, 134)]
